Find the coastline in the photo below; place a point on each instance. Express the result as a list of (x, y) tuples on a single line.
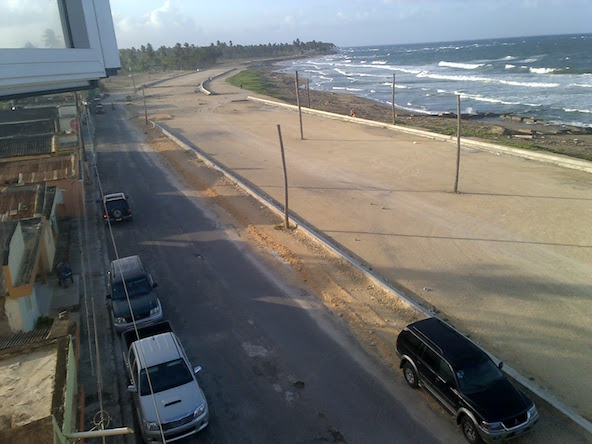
[(514, 131)]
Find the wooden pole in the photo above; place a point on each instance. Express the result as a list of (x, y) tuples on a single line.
[(308, 91), (457, 142), (393, 100), (145, 110), (299, 108), (286, 219)]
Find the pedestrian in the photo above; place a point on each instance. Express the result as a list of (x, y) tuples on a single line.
[(64, 273), (352, 113)]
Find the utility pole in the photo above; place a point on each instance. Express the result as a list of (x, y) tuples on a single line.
[(393, 101), (286, 217), (299, 108), (457, 142)]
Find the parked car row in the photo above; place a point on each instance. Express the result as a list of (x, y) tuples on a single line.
[(168, 400)]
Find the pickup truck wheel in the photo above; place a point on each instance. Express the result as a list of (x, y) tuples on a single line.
[(410, 375), (469, 430)]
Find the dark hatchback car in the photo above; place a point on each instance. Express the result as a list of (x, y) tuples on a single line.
[(116, 208), (465, 381), (127, 279)]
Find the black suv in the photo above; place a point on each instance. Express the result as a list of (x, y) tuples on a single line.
[(116, 208), (465, 381)]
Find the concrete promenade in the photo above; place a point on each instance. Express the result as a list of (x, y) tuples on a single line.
[(507, 260)]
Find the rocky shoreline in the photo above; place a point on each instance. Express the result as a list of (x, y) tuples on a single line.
[(515, 131)]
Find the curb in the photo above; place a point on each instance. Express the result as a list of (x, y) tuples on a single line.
[(203, 87), (554, 159), (377, 280)]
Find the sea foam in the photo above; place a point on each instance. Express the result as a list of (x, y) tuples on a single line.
[(460, 65)]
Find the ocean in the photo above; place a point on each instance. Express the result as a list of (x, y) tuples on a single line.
[(547, 78)]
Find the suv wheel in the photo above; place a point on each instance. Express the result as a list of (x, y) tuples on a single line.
[(469, 430), (410, 375), (117, 214)]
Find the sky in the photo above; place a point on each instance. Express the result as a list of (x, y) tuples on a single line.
[(344, 23)]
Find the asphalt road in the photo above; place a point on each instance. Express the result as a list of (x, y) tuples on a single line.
[(277, 367)]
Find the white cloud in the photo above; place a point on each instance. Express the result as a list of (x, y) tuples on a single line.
[(164, 25)]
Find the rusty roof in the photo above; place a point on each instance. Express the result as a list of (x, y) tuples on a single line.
[(22, 202), (44, 169)]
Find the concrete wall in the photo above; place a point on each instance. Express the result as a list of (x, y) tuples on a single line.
[(22, 313), (70, 407), (16, 252), (48, 247), (72, 202)]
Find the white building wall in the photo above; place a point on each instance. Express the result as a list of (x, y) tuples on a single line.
[(16, 252), (22, 313)]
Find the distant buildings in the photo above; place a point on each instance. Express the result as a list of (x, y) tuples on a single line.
[(40, 182)]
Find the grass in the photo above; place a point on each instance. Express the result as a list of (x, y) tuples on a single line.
[(257, 82)]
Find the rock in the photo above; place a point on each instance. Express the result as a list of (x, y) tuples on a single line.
[(502, 131)]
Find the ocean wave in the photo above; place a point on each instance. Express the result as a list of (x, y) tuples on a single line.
[(542, 70), (574, 110), (480, 98), (376, 76), (582, 85), (379, 62), (397, 86), (460, 65), (529, 84), (427, 74), (345, 88), (316, 71), (508, 66), (342, 72)]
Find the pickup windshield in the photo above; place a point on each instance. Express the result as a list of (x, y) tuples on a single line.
[(134, 288), (478, 376), (165, 376)]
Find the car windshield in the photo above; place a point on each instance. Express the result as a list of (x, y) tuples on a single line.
[(165, 376), (478, 376), (134, 288)]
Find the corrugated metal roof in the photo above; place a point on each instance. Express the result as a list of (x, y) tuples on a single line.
[(19, 339), (43, 169), (26, 145), (22, 202), (27, 128)]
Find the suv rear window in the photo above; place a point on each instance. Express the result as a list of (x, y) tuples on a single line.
[(120, 204)]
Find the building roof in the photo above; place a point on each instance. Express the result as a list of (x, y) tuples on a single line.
[(32, 145), (29, 113), (29, 378), (42, 169), (26, 201), (24, 128), (34, 373)]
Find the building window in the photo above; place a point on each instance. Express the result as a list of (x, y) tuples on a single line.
[(69, 47), (32, 24)]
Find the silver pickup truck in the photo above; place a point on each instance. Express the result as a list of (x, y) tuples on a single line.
[(167, 397)]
